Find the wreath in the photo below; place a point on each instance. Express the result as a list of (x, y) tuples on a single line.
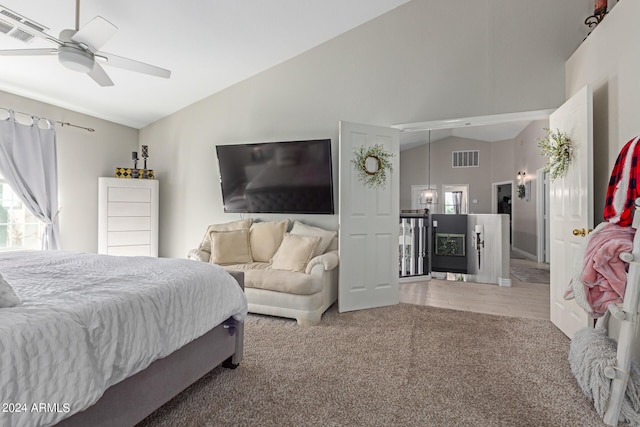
[(557, 146), (372, 164)]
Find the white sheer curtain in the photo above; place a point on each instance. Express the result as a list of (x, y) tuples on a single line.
[(28, 163)]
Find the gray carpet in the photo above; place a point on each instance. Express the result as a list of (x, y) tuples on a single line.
[(403, 365)]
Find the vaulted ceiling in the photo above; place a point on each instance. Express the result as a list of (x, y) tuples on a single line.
[(207, 45)]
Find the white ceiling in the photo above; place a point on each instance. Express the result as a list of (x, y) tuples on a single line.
[(207, 45), (492, 128)]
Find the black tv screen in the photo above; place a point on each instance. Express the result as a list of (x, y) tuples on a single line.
[(277, 177)]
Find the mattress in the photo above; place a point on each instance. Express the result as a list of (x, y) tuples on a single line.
[(88, 321)]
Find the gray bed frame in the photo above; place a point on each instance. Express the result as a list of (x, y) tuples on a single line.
[(136, 397)]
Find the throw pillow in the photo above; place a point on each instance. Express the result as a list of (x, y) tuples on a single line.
[(8, 297), (229, 226), (294, 252), (326, 236), (230, 247), (266, 238)]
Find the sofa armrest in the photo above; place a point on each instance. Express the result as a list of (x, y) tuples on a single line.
[(198, 255), (328, 260)]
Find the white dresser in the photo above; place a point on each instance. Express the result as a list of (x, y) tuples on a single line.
[(128, 217)]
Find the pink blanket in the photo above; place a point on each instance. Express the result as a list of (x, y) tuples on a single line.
[(604, 274)]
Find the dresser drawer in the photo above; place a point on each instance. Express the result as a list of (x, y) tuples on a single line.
[(128, 238), (128, 223), (128, 209), (129, 194)]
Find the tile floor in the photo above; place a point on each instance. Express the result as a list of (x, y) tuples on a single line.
[(521, 299)]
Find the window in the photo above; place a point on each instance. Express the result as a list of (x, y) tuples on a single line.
[(19, 228), (456, 199)]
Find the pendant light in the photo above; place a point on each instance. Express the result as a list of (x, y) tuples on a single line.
[(429, 196)]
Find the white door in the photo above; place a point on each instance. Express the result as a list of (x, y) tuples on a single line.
[(571, 207), (369, 223)]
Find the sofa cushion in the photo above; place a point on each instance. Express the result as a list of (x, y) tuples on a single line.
[(230, 247), (326, 236), (294, 252), (289, 282), (265, 238), (229, 226)]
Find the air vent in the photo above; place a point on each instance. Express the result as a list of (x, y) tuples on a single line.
[(5, 27), (33, 25), (22, 35), (19, 27), (11, 15), (465, 159)]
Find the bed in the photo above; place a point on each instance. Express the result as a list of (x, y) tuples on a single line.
[(102, 340)]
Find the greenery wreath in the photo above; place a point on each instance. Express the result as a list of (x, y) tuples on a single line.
[(381, 160), (557, 146)]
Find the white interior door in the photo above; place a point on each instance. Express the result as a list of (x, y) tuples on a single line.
[(571, 207), (369, 223)]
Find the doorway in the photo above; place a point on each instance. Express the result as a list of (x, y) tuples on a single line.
[(501, 198)]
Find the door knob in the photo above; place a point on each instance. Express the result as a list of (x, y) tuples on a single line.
[(581, 232)]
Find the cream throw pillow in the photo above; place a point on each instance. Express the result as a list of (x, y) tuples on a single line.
[(266, 238), (229, 226), (326, 236), (294, 252), (230, 247), (8, 297)]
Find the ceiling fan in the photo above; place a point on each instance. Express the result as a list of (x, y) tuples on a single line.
[(78, 49)]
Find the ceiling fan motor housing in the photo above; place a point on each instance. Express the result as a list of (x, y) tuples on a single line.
[(76, 59)]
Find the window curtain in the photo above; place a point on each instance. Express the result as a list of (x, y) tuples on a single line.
[(457, 201), (28, 163)]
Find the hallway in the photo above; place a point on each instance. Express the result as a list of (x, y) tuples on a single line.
[(522, 299)]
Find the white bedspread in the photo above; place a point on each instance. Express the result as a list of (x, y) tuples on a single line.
[(88, 321)]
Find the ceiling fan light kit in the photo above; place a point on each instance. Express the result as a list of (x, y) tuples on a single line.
[(76, 49), (76, 59)]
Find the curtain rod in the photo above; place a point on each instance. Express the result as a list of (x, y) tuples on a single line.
[(56, 121)]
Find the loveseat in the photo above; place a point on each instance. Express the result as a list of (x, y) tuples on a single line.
[(289, 274)]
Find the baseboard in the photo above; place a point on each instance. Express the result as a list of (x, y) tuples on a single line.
[(411, 279), (504, 282), (525, 254)]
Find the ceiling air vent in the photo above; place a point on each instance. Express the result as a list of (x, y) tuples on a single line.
[(22, 35), (17, 26), (5, 27), (465, 159)]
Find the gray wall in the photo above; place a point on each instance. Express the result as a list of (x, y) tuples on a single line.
[(425, 60), (82, 157), (608, 61), (499, 162), (527, 159), (414, 169)]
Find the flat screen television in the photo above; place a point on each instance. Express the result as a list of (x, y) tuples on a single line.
[(292, 177)]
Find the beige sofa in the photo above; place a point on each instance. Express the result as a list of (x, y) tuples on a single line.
[(288, 274)]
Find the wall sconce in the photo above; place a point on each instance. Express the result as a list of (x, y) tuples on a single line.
[(479, 241), (522, 190)]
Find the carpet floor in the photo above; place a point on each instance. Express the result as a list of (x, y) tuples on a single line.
[(404, 365)]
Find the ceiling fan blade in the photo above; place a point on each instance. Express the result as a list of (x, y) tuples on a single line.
[(95, 33), (28, 52), (100, 76), (133, 65)]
